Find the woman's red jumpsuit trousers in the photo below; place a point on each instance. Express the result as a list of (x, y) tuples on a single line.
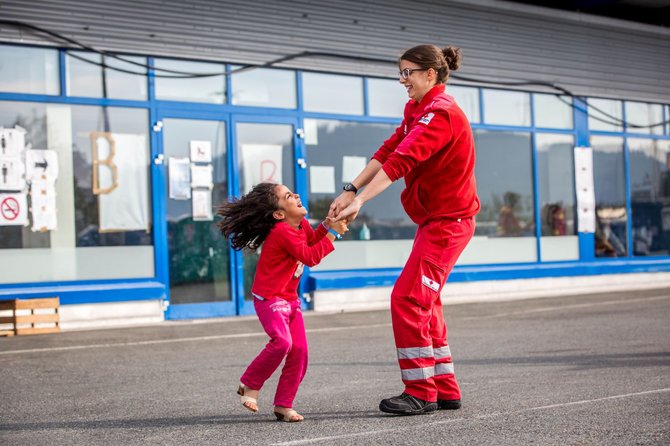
[(416, 309)]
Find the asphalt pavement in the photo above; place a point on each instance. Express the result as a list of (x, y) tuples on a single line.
[(577, 370)]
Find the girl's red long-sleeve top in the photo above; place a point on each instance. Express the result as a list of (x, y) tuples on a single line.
[(434, 150), (283, 254)]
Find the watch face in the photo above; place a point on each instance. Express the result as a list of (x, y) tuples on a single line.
[(349, 187)]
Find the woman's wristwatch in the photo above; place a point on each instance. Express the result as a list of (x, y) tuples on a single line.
[(349, 187)]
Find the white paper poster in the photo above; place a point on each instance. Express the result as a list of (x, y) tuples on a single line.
[(261, 163), (12, 173), (12, 141), (202, 205), (321, 179), (13, 210), (201, 176), (43, 205), (179, 178), (352, 166), (201, 151), (311, 132), (42, 164), (126, 207), (586, 199)]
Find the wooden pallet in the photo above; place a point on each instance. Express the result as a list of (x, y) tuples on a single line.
[(24, 319)]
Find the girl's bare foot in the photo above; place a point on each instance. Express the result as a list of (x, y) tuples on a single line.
[(287, 414), (248, 397)]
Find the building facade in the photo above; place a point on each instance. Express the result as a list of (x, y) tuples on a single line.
[(124, 125)]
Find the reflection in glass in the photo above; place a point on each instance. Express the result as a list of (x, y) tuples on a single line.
[(650, 196), (644, 114), (29, 70), (211, 89), (605, 114), (198, 255), (552, 111), (84, 76), (386, 98), (504, 184), (332, 93), (506, 107), (265, 154), (344, 147), (468, 99), (264, 87), (555, 160), (610, 191)]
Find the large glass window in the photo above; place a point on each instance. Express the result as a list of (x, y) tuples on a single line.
[(506, 107), (198, 255), (265, 154), (86, 77), (643, 114), (382, 234), (468, 99), (610, 191), (176, 87), (556, 172), (505, 230), (650, 195), (264, 87), (25, 69), (101, 194), (552, 111), (386, 98), (605, 114), (332, 93)]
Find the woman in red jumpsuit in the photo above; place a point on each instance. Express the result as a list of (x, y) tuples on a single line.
[(433, 150)]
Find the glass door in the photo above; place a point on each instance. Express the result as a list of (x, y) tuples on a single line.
[(196, 183), (264, 152)]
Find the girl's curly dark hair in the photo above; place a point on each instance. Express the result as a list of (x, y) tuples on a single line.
[(247, 221)]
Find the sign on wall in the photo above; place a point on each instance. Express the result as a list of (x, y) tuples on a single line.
[(584, 185), (13, 210)]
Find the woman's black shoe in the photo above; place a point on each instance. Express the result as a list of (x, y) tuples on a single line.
[(448, 404), (406, 405)]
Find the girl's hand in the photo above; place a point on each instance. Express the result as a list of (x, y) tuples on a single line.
[(340, 227)]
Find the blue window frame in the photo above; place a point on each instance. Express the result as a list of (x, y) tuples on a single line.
[(584, 126)]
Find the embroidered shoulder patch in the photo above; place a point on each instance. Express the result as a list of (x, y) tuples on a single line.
[(426, 118)]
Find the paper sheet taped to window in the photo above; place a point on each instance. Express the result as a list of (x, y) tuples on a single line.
[(126, 206)]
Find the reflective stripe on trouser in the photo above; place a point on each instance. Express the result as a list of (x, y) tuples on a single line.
[(416, 310)]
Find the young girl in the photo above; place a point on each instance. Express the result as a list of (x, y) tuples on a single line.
[(272, 215)]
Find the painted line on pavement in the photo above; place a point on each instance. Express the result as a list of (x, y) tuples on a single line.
[(568, 307), (322, 330), (170, 341), (423, 426)]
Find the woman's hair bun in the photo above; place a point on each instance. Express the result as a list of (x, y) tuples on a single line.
[(453, 57)]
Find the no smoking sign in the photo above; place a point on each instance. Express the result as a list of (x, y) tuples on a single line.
[(13, 210)]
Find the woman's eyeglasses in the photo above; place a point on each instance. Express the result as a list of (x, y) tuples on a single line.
[(407, 72)]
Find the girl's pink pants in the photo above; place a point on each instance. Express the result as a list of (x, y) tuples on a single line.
[(283, 322)]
